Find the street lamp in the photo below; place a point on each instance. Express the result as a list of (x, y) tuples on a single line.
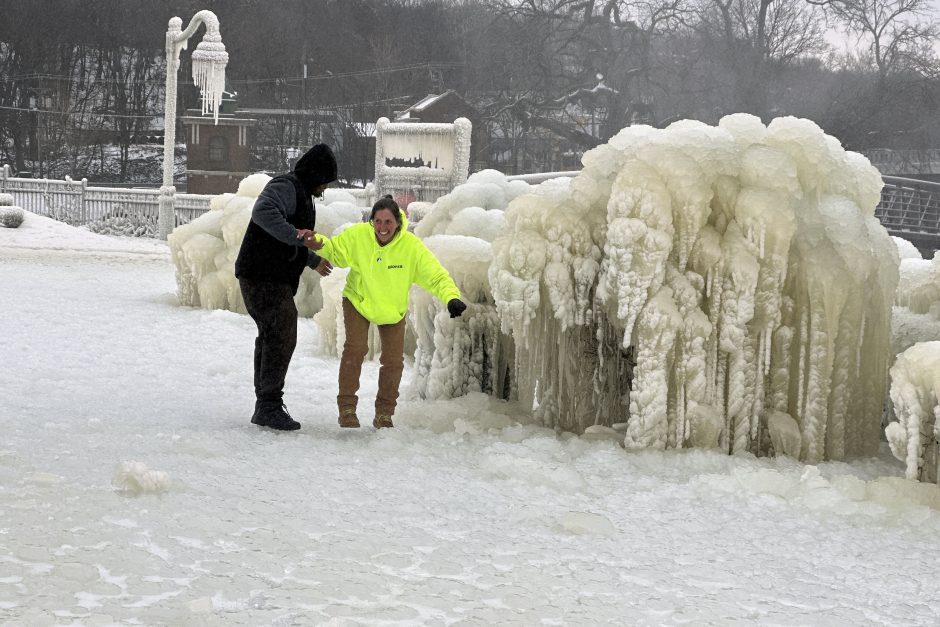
[(34, 109), (209, 60)]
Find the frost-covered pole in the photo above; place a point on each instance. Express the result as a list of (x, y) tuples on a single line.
[(209, 61)]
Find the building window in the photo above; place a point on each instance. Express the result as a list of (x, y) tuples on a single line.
[(218, 150)]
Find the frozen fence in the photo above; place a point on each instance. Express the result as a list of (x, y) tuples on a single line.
[(115, 210), (77, 203)]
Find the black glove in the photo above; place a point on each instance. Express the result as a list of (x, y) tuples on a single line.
[(456, 307)]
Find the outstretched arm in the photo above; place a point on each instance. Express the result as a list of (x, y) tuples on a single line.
[(431, 276), (275, 204), (332, 250)]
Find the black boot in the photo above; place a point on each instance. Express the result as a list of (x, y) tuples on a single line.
[(274, 416)]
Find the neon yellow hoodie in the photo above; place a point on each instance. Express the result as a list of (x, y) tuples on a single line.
[(380, 277)]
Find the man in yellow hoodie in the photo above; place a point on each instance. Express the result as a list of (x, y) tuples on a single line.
[(384, 260)]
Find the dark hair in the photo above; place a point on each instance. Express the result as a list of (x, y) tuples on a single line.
[(386, 202)]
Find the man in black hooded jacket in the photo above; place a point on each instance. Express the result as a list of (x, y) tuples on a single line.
[(270, 262)]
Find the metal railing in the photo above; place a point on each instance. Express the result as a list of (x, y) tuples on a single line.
[(910, 206), (77, 203)]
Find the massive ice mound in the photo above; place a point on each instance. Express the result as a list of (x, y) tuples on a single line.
[(695, 281)]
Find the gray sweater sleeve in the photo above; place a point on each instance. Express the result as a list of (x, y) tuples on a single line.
[(276, 203)]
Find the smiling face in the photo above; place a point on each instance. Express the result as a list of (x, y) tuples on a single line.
[(385, 225)]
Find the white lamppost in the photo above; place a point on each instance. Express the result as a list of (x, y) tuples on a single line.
[(209, 61)]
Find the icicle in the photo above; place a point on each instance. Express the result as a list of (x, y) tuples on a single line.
[(802, 351), (209, 61), (721, 377), (858, 345), (761, 338), (681, 426), (768, 332), (762, 233)]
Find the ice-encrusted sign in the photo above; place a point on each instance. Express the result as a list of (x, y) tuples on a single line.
[(420, 161)]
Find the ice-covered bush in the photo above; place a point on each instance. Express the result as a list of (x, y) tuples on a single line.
[(917, 304), (10, 216), (126, 224), (469, 354), (704, 278), (915, 390), (919, 286)]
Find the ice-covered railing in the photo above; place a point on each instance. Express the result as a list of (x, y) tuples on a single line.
[(110, 210), (915, 390), (692, 283)]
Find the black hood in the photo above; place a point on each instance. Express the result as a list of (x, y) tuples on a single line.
[(316, 167)]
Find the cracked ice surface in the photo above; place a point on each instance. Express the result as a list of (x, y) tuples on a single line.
[(466, 514)]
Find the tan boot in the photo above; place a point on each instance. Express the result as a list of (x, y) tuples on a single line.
[(382, 422), (348, 419)]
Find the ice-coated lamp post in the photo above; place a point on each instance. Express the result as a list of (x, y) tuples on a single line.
[(209, 61)]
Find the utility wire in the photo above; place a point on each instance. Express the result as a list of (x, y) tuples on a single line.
[(247, 81), (160, 113), (78, 114)]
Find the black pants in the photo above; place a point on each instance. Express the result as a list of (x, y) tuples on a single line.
[(271, 306)]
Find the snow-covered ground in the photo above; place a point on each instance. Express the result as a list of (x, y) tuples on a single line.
[(133, 489)]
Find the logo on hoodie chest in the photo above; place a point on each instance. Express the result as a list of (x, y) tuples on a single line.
[(391, 266)]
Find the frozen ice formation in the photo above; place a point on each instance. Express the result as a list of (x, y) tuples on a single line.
[(707, 286), (915, 390)]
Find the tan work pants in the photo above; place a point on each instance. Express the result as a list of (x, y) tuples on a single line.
[(392, 361)]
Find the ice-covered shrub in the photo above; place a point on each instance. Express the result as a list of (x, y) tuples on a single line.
[(919, 286), (698, 273), (915, 390), (454, 357), (120, 222), (10, 216), (916, 315)]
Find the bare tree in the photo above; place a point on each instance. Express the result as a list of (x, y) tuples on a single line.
[(898, 34), (752, 42), (888, 88), (593, 67)]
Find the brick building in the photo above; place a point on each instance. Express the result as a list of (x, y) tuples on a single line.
[(217, 155)]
